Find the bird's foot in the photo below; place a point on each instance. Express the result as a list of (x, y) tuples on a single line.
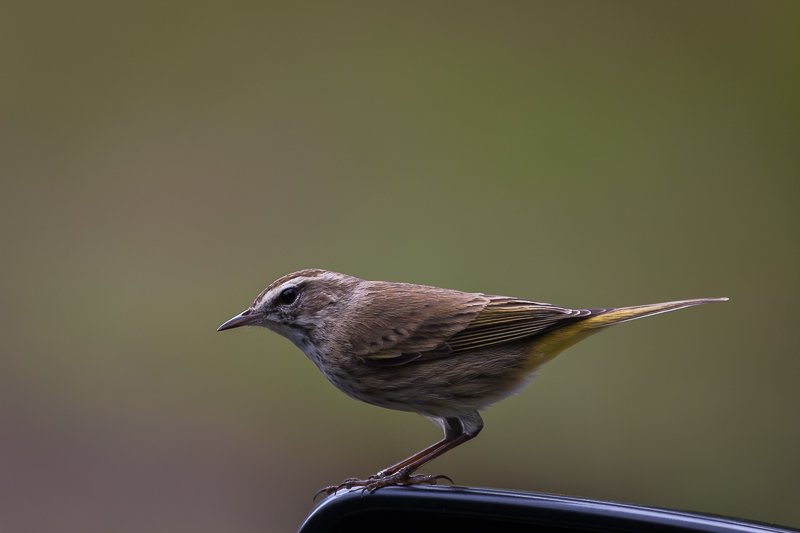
[(401, 477)]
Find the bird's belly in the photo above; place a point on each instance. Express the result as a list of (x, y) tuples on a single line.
[(445, 387)]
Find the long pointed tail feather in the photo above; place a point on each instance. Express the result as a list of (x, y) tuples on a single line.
[(623, 314), (553, 342)]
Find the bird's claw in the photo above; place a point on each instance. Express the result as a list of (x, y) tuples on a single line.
[(348, 483), (376, 482)]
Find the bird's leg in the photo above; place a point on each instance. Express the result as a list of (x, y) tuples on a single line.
[(403, 475), (400, 474), (416, 457)]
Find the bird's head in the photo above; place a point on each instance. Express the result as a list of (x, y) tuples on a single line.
[(297, 305)]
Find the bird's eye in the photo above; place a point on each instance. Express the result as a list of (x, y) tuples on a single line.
[(288, 296)]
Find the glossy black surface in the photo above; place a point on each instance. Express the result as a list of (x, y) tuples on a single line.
[(466, 510)]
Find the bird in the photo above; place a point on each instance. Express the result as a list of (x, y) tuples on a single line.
[(441, 353)]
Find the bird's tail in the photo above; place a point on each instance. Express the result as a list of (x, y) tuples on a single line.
[(609, 317), (553, 342)]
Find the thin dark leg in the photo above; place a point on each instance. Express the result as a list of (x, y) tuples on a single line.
[(416, 457), (448, 445), (457, 431), (400, 474)]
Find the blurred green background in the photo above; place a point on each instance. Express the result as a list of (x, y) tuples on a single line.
[(163, 162)]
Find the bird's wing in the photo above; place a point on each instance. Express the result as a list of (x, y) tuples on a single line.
[(422, 319), (454, 329), (509, 319)]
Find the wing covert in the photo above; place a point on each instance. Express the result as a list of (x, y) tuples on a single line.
[(420, 321)]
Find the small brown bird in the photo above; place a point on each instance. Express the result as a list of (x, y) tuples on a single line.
[(441, 353)]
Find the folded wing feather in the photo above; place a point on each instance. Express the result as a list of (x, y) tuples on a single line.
[(451, 331)]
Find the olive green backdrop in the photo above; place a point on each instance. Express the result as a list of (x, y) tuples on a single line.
[(162, 162)]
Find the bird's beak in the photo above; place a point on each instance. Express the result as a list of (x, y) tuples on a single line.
[(245, 318)]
